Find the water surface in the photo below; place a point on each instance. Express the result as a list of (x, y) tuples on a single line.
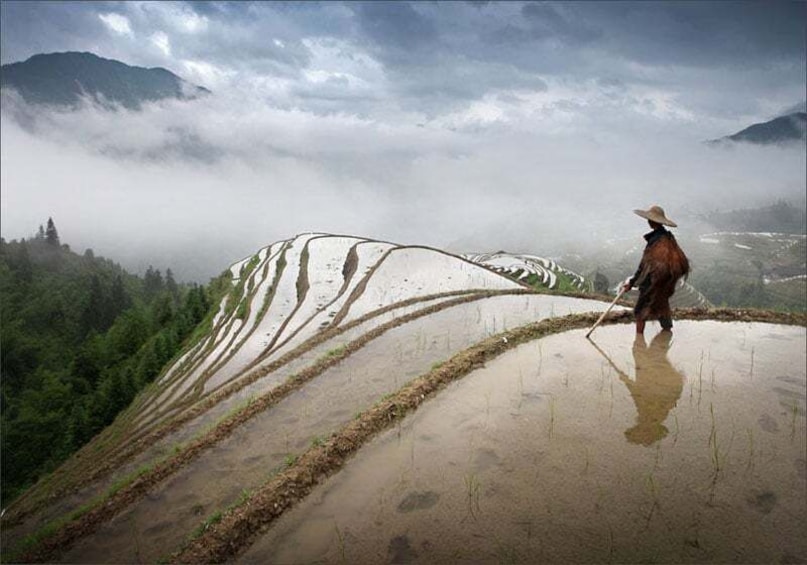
[(689, 449)]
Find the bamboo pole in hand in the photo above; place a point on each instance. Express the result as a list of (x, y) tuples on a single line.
[(597, 323)]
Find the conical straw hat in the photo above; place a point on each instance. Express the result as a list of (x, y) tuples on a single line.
[(656, 214)]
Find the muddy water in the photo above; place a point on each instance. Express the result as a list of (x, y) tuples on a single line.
[(685, 451), (161, 521)]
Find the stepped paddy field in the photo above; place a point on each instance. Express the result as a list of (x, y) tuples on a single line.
[(353, 400)]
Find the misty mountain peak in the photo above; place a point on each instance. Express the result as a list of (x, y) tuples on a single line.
[(63, 79), (784, 129)]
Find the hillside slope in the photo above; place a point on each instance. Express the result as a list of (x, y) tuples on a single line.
[(322, 342), (315, 330), (79, 336), (784, 129)]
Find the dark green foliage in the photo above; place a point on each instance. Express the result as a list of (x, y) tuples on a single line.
[(153, 282), (171, 286), (80, 338), (20, 261), (119, 298), (51, 235)]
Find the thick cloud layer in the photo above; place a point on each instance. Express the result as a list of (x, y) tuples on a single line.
[(196, 185), (474, 126)]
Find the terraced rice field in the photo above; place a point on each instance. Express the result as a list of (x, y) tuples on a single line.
[(293, 336), (690, 451), (531, 269), (323, 343)]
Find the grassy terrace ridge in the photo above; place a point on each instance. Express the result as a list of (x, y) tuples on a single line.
[(54, 538), (237, 526)]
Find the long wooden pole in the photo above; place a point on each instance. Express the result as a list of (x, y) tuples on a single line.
[(597, 323)]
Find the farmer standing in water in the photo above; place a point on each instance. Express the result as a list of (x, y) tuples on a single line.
[(662, 264)]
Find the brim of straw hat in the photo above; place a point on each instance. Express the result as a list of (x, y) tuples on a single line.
[(654, 216)]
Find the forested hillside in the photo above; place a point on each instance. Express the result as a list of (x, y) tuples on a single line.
[(80, 337)]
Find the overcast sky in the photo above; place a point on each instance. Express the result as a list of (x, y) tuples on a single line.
[(455, 124)]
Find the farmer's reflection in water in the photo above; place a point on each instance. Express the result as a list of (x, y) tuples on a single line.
[(655, 390)]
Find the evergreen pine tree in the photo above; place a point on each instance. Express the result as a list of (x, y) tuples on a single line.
[(119, 299), (51, 235), (79, 429), (162, 310), (171, 286), (149, 365), (153, 282), (94, 317), (87, 362)]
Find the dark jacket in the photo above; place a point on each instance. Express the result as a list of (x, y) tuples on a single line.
[(651, 238), (663, 263)]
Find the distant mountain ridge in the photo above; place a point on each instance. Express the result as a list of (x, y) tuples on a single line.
[(780, 217), (63, 79), (784, 129)]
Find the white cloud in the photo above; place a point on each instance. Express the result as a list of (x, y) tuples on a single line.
[(117, 23), (191, 22), (177, 16), (232, 173), (331, 57), (317, 123), (207, 74), (161, 41), (480, 113)]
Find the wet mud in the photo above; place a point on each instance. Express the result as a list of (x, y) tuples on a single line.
[(689, 449)]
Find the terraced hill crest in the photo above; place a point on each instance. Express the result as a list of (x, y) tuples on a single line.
[(295, 311), (531, 269), (290, 291)]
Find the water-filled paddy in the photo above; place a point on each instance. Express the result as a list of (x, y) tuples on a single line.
[(682, 450), (162, 520)]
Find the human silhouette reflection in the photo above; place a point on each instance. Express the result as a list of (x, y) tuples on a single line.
[(655, 390)]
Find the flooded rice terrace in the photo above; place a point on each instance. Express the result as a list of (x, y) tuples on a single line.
[(689, 447), (161, 521)]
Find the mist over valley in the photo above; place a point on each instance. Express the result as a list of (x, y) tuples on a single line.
[(341, 141)]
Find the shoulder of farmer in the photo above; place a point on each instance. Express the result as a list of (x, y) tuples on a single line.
[(655, 236)]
